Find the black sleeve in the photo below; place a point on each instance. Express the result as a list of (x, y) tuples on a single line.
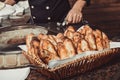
[(87, 2)]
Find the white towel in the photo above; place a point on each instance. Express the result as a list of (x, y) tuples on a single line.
[(15, 10), (1, 5), (20, 7), (6, 11)]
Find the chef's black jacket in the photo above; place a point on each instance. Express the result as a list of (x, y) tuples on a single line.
[(43, 11)]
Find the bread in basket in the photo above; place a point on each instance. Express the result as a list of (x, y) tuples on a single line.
[(70, 51)]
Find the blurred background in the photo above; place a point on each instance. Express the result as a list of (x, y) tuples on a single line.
[(105, 14)]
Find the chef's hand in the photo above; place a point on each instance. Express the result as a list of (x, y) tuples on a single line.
[(74, 16), (10, 2)]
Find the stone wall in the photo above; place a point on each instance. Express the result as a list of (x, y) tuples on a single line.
[(13, 60)]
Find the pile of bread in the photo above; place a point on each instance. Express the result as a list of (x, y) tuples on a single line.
[(44, 47)]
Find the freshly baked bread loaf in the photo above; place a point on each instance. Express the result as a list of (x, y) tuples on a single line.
[(84, 45), (47, 45), (76, 39), (59, 37), (51, 38), (62, 52), (69, 47), (98, 38), (105, 41), (47, 51), (33, 48), (90, 38), (69, 32), (70, 28), (46, 56)]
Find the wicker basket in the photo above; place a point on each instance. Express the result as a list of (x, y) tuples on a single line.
[(77, 66)]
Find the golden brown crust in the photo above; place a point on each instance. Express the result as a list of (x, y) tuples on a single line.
[(91, 41), (47, 45), (70, 34), (70, 28), (52, 40), (42, 36), (67, 44), (98, 38), (84, 45), (59, 37), (76, 39), (46, 56), (84, 30), (105, 41), (79, 49), (47, 51), (33, 47), (69, 47), (35, 42), (62, 52)]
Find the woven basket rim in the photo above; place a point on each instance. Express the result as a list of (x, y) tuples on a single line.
[(82, 58), (101, 53)]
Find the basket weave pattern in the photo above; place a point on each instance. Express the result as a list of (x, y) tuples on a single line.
[(77, 66)]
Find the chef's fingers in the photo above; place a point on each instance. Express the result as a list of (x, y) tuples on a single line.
[(79, 18), (74, 20), (69, 18)]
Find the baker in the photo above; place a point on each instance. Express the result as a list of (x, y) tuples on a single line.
[(44, 11)]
